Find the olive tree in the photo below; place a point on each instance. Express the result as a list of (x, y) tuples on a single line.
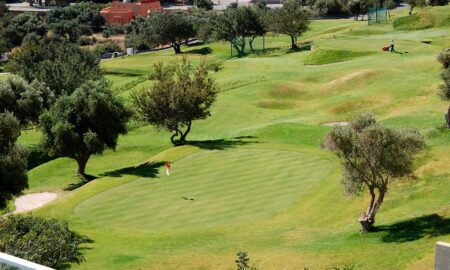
[(61, 65), (373, 156), (26, 101), (238, 25), (160, 29), (415, 3), (85, 123), (21, 26), (13, 159), (291, 20), (181, 94)]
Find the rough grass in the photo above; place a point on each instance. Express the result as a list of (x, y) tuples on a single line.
[(322, 56), (418, 21), (318, 228)]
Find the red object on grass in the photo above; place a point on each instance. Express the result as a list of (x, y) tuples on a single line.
[(168, 164)]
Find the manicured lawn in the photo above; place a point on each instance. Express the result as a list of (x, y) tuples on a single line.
[(255, 170)]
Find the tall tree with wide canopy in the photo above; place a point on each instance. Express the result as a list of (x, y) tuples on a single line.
[(13, 159), (85, 123), (373, 156), (181, 94), (160, 29), (61, 65), (239, 25), (291, 20), (26, 101)]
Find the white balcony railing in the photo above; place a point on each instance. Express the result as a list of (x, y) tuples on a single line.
[(13, 263)]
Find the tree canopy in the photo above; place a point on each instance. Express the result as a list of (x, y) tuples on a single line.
[(84, 123), (291, 20), (22, 25), (13, 159), (61, 65), (46, 242), (160, 29), (75, 20), (181, 94), (236, 25), (25, 101), (373, 156)]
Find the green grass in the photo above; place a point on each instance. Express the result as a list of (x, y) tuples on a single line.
[(321, 57), (216, 198), (255, 169)]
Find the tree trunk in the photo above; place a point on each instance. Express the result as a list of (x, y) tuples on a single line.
[(177, 48), (411, 10), (181, 134), (82, 161), (250, 42), (367, 219), (294, 43)]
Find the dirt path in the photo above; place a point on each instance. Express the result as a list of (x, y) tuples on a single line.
[(336, 124), (32, 201)]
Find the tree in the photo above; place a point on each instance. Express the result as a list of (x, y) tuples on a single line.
[(76, 20), (61, 65), (236, 25), (415, 3), (160, 29), (372, 157), (21, 26), (291, 20), (359, 7), (46, 242), (204, 4), (13, 159), (84, 123), (25, 101), (444, 59), (180, 95), (331, 7)]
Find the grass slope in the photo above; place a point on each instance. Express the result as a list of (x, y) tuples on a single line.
[(138, 220)]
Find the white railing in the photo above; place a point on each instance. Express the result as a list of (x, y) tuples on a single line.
[(21, 264)]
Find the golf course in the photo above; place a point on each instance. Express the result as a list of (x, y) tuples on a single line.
[(254, 176)]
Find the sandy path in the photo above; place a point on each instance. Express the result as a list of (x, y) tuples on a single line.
[(336, 124), (32, 201)]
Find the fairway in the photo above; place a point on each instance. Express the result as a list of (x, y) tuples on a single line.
[(208, 189), (254, 175)]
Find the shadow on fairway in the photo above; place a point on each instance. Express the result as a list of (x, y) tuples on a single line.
[(81, 182), (37, 158), (428, 226), (223, 144), (147, 169), (202, 51)]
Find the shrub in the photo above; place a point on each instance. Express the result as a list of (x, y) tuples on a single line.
[(85, 41), (47, 242), (205, 4), (107, 47)]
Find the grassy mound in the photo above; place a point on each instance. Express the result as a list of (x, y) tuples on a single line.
[(208, 189), (323, 56), (419, 21)]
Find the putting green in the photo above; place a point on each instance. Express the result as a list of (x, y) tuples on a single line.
[(209, 189)]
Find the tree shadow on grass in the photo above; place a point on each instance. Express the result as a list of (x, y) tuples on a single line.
[(223, 144), (202, 51), (428, 226), (81, 182), (37, 158), (148, 169)]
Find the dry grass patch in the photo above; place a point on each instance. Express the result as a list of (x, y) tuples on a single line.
[(275, 104)]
